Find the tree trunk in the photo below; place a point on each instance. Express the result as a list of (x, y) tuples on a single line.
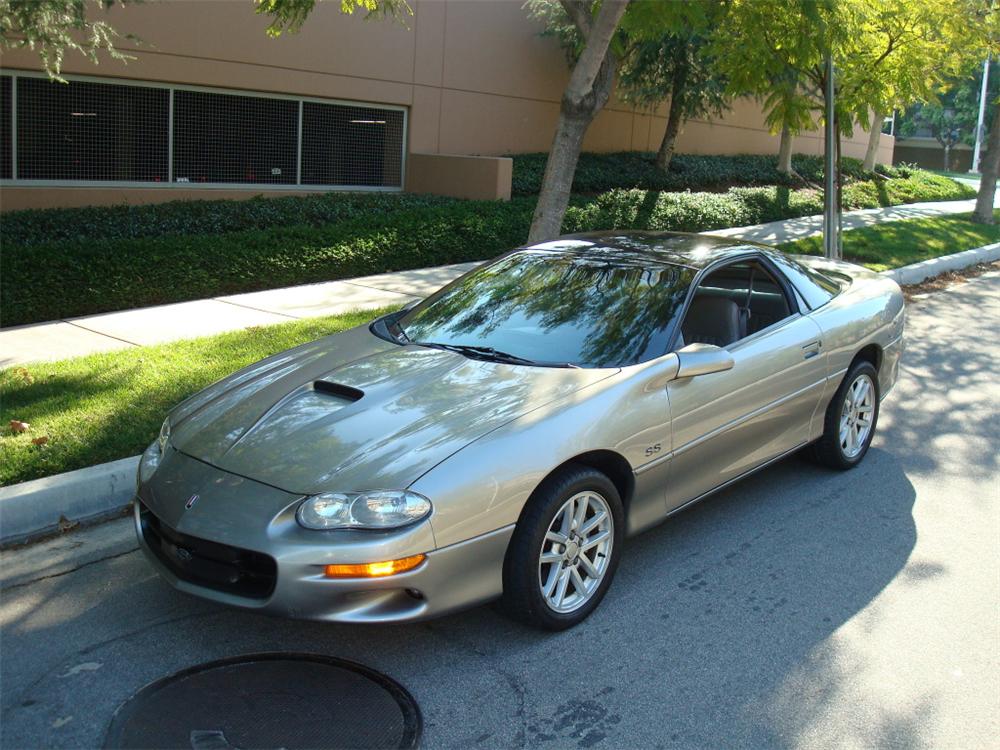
[(674, 117), (587, 92), (988, 167), (874, 136), (557, 182), (947, 157), (785, 151)]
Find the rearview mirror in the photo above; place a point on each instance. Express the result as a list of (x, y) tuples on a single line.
[(702, 359)]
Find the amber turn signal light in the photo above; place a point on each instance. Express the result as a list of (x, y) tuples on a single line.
[(374, 570)]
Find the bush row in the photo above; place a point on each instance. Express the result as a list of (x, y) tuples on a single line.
[(79, 277), (48, 281), (597, 173), (699, 212), (46, 226)]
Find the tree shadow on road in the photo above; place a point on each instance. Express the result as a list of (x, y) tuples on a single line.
[(709, 617)]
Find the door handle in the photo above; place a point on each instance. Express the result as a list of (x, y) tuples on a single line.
[(812, 349)]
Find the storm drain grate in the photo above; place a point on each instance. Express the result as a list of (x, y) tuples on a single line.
[(266, 702)]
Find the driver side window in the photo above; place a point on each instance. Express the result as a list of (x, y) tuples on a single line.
[(734, 302)]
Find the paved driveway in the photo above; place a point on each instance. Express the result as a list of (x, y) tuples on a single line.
[(799, 608)]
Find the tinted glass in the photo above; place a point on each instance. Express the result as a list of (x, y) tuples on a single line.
[(559, 308), (6, 83), (816, 288), (91, 131), (231, 138), (732, 303), (343, 145)]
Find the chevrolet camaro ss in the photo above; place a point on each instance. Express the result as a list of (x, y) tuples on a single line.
[(503, 437)]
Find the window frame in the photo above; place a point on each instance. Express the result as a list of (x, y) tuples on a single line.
[(791, 297), (171, 184)]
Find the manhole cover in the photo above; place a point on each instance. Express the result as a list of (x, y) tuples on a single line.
[(266, 702)]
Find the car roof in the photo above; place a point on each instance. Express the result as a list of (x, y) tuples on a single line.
[(675, 248)]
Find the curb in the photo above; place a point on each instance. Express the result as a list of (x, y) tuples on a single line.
[(35, 509), (917, 272), (30, 510)]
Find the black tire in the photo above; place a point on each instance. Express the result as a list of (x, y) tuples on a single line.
[(828, 450), (522, 596)]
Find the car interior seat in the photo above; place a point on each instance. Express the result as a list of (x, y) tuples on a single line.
[(713, 320)]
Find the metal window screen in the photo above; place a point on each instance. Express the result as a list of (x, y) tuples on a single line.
[(351, 146), (232, 138), (91, 131), (6, 83)]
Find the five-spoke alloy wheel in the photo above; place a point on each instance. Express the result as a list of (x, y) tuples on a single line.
[(856, 415), (564, 550), (850, 418)]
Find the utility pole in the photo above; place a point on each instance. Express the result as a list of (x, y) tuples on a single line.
[(982, 113), (831, 208)]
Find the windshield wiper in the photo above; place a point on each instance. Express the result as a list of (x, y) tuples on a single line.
[(490, 354)]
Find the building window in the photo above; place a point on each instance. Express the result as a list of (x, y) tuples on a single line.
[(344, 145), (91, 131), (230, 138), (185, 136), (6, 152)]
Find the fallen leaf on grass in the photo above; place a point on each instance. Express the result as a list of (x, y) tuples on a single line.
[(40, 440), (16, 426), (27, 377)]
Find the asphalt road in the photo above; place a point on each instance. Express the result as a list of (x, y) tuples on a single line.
[(801, 608)]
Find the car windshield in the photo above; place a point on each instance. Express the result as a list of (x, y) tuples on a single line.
[(557, 308)]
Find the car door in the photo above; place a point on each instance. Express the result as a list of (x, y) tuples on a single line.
[(727, 423)]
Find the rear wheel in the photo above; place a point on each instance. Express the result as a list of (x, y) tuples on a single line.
[(565, 550), (850, 419)]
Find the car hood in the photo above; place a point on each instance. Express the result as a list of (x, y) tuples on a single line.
[(355, 412)]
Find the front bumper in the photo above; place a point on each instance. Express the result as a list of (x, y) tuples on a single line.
[(450, 579), (239, 544)]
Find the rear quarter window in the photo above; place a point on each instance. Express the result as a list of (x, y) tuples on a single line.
[(816, 288)]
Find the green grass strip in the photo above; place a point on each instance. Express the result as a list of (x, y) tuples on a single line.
[(104, 407), (900, 243)]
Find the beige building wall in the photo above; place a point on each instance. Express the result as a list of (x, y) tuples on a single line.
[(476, 76)]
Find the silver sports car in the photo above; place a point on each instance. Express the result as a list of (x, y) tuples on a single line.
[(503, 437)]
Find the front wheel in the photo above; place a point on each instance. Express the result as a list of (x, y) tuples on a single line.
[(565, 550), (850, 420)]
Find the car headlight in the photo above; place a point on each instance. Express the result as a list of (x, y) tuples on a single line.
[(375, 509), (151, 458), (164, 434), (149, 462)]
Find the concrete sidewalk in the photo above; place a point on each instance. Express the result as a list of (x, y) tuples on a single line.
[(154, 325), (75, 337)]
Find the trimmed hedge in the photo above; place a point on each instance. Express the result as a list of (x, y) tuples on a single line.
[(108, 267), (65, 279), (203, 217), (597, 173), (700, 212)]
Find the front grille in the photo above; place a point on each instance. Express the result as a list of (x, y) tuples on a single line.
[(232, 570)]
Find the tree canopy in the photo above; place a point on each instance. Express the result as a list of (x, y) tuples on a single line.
[(53, 27), (887, 54)]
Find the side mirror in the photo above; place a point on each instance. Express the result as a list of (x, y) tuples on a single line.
[(702, 359)]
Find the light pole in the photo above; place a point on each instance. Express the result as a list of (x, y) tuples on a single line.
[(831, 208), (982, 112)]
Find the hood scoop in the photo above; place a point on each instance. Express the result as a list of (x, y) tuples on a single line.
[(339, 390)]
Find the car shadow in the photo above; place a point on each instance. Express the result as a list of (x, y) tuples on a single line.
[(716, 632)]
